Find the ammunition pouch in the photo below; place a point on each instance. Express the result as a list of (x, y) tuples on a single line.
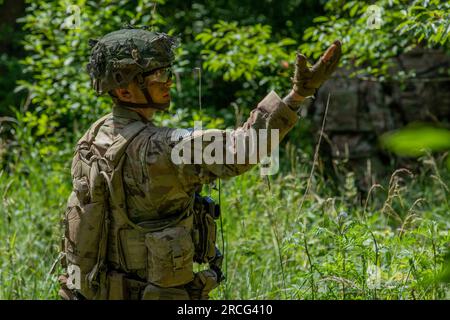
[(163, 257), (170, 257)]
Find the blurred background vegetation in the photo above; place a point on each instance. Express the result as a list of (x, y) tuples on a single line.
[(374, 214)]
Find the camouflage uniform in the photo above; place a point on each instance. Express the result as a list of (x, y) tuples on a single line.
[(155, 186)]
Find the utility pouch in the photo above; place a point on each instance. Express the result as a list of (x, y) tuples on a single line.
[(170, 257), (205, 229), (82, 219), (84, 234)]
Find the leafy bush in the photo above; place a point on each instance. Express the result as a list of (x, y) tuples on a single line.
[(245, 52), (403, 26)]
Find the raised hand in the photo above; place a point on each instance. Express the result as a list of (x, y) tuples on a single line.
[(307, 79)]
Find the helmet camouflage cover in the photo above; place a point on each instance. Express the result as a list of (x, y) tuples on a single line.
[(118, 57)]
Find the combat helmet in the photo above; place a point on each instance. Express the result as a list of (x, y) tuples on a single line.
[(121, 56)]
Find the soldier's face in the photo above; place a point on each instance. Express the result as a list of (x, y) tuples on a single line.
[(159, 91)]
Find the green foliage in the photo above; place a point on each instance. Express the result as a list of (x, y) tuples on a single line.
[(405, 25), (287, 17), (415, 140), (444, 276), (33, 186), (244, 51), (426, 20), (10, 68)]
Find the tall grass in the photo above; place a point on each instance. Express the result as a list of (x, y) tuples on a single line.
[(392, 246), (34, 185)]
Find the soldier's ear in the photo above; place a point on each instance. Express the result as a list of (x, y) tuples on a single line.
[(123, 94)]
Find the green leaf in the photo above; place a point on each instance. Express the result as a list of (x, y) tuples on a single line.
[(354, 10), (415, 140), (320, 19)]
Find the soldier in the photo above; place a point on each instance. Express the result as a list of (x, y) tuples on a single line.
[(134, 223)]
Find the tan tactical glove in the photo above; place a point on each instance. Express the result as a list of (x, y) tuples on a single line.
[(204, 281), (308, 79)]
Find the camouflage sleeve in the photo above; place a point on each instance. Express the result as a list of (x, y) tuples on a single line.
[(200, 156)]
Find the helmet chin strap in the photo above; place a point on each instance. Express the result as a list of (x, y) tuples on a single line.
[(150, 103)]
